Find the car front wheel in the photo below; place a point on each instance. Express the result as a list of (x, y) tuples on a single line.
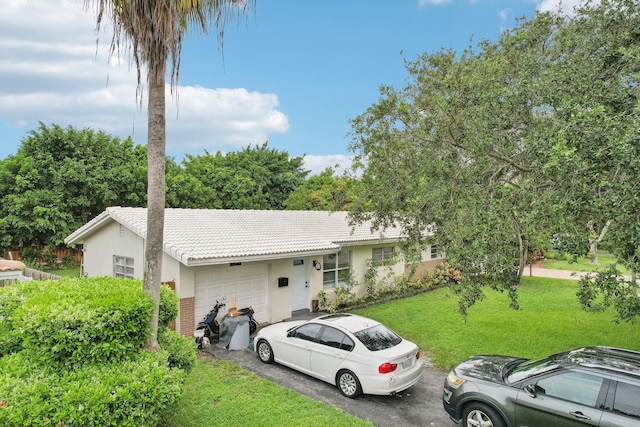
[(348, 384), (481, 415), (265, 353)]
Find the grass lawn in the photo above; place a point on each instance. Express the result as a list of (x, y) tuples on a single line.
[(65, 271), (555, 261), (549, 320), (217, 392)]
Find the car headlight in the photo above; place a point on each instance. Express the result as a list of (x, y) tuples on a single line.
[(454, 381)]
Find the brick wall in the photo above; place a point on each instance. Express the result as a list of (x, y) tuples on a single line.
[(423, 266), (187, 316)]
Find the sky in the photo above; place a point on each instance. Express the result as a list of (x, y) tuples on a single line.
[(292, 73)]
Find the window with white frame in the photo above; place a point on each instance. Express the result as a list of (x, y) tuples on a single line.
[(382, 255), (434, 252), (336, 269), (122, 267)]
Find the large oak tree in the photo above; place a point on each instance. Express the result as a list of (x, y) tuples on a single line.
[(509, 142)]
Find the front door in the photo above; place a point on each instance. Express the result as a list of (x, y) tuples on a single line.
[(299, 284)]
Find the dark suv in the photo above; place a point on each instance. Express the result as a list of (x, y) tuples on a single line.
[(591, 386)]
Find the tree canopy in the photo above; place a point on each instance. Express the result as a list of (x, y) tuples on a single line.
[(60, 178), (252, 178), (509, 142), (323, 192)]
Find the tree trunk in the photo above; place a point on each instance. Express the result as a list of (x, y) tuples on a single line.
[(155, 193), (593, 243)]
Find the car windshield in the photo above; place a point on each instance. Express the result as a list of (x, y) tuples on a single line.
[(378, 337), (530, 368)]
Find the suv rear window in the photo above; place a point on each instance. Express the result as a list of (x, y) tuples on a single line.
[(626, 402), (378, 337)]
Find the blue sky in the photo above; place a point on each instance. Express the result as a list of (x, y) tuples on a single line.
[(293, 74)]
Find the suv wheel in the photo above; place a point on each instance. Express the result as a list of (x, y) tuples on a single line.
[(481, 415)]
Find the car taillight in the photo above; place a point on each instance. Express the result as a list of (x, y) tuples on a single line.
[(418, 355), (387, 367)]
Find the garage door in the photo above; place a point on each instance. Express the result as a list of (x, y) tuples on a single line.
[(248, 284)]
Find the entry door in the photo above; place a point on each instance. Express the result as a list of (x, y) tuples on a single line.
[(299, 284)]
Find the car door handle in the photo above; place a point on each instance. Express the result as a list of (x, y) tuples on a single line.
[(580, 415)]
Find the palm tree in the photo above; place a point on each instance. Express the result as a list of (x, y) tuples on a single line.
[(153, 31)]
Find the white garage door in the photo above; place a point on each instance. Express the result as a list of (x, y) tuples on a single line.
[(247, 284)]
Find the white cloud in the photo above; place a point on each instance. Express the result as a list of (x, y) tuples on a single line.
[(52, 72), (317, 164)]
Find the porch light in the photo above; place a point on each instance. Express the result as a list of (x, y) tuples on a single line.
[(317, 265)]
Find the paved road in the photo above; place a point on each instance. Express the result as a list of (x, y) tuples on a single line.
[(420, 405)]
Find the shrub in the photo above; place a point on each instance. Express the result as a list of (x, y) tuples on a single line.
[(11, 299), (134, 392), (181, 351), (78, 321), (389, 287), (30, 255), (71, 354), (168, 307)]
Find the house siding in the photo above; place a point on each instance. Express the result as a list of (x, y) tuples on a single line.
[(112, 240)]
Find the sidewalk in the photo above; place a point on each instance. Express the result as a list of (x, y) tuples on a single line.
[(554, 274), (557, 274)]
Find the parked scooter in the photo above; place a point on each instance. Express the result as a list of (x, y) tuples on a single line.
[(209, 327)]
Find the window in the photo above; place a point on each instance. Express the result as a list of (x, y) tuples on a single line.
[(334, 338), (627, 402), (378, 337), (307, 332), (122, 267), (573, 386), (434, 252), (336, 270), (382, 255)]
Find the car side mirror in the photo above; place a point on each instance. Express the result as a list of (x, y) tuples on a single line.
[(531, 389)]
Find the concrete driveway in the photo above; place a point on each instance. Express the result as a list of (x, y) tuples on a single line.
[(420, 405)]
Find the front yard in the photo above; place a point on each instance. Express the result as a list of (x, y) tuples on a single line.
[(550, 320)]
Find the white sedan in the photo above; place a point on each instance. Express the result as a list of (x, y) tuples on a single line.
[(357, 354)]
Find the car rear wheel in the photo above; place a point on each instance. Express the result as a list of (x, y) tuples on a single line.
[(264, 352), (481, 415), (348, 384)]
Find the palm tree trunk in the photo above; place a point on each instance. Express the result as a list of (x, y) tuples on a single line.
[(155, 193)]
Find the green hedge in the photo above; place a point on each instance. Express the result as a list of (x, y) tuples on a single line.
[(132, 393), (71, 353)]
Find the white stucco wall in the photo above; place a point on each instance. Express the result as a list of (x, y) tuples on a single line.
[(110, 240)]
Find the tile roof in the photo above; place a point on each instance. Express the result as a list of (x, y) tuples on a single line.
[(210, 236), (9, 265)]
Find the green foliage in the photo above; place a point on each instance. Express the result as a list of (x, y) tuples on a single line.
[(387, 288), (181, 351), (71, 353), (253, 178), (609, 288), (323, 192), (132, 392), (62, 177), (77, 321), (168, 309)]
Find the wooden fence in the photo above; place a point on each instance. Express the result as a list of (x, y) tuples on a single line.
[(61, 255)]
